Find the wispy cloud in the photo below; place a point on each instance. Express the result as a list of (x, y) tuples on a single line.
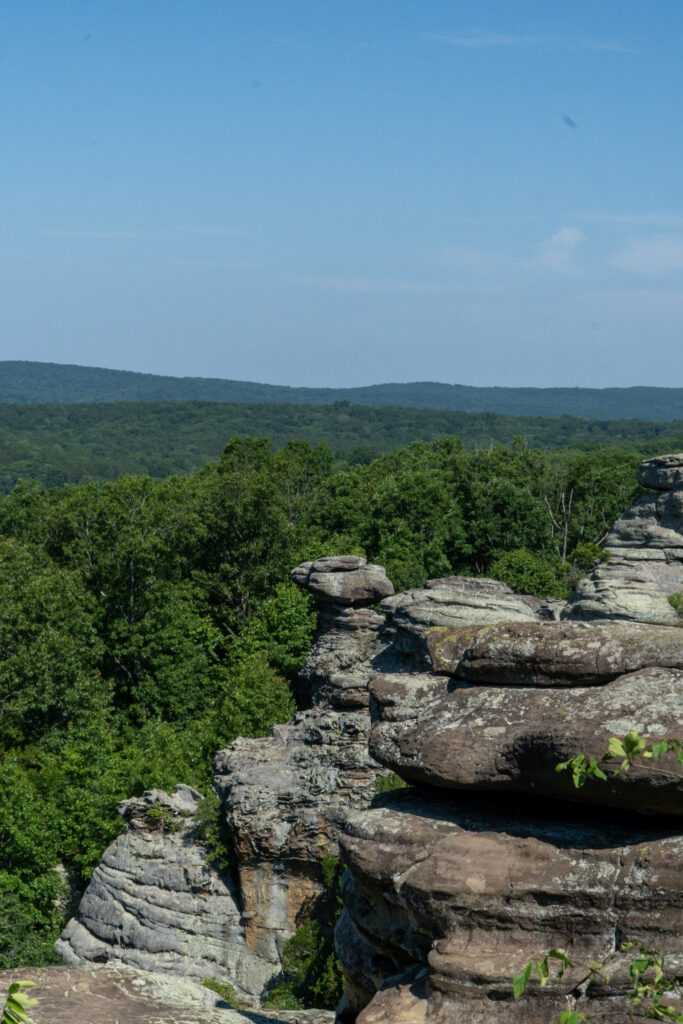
[(483, 40), (653, 256), (559, 252)]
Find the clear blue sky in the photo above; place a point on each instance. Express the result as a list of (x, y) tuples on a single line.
[(339, 193)]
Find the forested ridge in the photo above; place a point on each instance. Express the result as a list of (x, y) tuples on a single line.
[(56, 444), (24, 381), (145, 623)]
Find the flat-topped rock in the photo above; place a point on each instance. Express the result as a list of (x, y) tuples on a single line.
[(448, 899), (116, 993), (456, 601), (435, 732), (653, 521), (552, 653), (343, 580), (663, 473)]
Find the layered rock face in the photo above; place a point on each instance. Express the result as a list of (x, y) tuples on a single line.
[(492, 857), (286, 796), (646, 549), (154, 902)]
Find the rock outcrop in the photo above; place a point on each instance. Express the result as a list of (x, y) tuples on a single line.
[(116, 993), (459, 601), (154, 902), (492, 857), (646, 554)]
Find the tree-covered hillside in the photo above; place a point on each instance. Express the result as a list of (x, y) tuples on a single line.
[(54, 382), (58, 444), (144, 624)]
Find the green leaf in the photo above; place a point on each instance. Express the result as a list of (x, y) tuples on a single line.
[(521, 981)]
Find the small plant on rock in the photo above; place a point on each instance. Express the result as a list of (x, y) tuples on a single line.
[(14, 1011)]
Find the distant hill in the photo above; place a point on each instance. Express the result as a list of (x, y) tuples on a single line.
[(75, 443), (32, 382)]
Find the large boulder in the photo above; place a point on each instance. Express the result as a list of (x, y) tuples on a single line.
[(554, 653), (459, 601), (663, 473), (436, 732), (156, 903), (343, 580), (448, 899)]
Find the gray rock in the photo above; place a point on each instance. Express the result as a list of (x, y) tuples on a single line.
[(286, 797), (664, 473), (552, 653), (343, 580), (115, 993), (623, 590), (154, 902), (447, 900), (654, 521), (455, 601), (497, 738), (339, 665), (646, 549)]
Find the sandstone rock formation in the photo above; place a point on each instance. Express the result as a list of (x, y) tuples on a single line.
[(646, 549), (492, 858), (450, 898), (155, 902), (116, 993), (434, 732), (554, 654), (459, 601)]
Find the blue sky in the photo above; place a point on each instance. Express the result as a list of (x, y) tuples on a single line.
[(330, 193)]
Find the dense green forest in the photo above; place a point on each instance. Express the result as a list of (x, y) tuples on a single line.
[(58, 444), (23, 381), (144, 624)]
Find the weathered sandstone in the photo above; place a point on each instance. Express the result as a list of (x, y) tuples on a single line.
[(448, 899), (344, 580), (115, 993), (437, 732), (285, 799), (553, 653), (663, 473), (646, 554), (458, 601), (154, 902)]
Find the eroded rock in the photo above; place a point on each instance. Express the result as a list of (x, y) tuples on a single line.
[(437, 732), (448, 899), (663, 473), (553, 653), (116, 993), (457, 601), (285, 798), (343, 580), (154, 902)]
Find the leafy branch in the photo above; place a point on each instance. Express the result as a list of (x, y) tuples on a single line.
[(14, 1011), (650, 985), (630, 748)]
